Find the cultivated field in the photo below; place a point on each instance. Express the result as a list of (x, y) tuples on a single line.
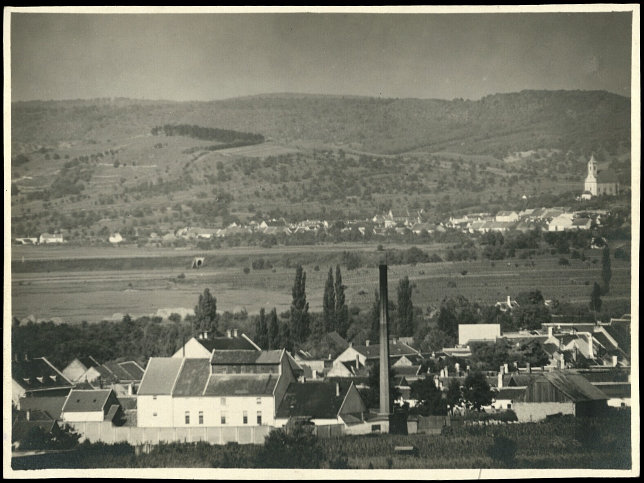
[(88, 284)]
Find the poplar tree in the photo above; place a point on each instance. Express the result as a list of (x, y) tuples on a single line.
[(341, 309), (299, 329), (273, 330), (284, 337), (606, 271), (206, 313), (405, 309), (328, 303), (261, 330)]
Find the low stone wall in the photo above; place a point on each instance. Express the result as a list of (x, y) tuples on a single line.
[(108, 433), (527, 412)]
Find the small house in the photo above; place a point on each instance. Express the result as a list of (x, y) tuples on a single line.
[(204, 344), (89, 405)]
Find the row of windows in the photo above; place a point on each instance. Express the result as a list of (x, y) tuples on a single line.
[(222, 401), (223, 417)]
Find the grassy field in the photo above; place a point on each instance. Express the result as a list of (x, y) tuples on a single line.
[(87, 284)]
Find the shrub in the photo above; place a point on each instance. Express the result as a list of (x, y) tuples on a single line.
[(564, 261), (246, 270), (294, 447), (503, 451)]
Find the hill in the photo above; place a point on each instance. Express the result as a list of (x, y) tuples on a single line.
[(95, 166), (496, 124)]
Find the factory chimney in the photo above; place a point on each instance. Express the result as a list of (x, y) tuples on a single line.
[(385, 410)]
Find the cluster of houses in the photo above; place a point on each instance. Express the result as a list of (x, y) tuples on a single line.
[(229, 382)]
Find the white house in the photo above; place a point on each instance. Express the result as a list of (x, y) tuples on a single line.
[(232, 388), (47, 238), (478, 332), (507, 216), (561, 222), (78, 367), (89, 405), (201, 347), (115, 238), (371, 352)]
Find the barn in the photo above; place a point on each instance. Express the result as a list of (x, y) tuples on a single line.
[(560, 392)]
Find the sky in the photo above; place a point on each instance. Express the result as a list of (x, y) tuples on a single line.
[(210, 56)]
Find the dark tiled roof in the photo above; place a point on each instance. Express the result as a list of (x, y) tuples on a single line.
[(406, 370), (246, 357), (226, 343), (574, 386), (605, 376), (135, 371), (606, 176), (313, 399), (617, 390), (120, 373), (192, 378), (241, 385), (80, 401), (159, 376), (127, 402), (38, 374), (337, 339), (20, 429), (88, 361), (509, 393), (51, 405)]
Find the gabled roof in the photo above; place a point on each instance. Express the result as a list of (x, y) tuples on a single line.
[(160, 375), (20, 428), (574, 386), (357, 370), (313, 399), (226, 343), (372, 351), (509, 393), (192, 378), (119, 372), (38, 374), (80, 400), (224, 357), (606, 176), (51, 405), (241, 385), (136, 371)]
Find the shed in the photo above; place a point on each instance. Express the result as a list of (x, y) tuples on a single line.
[(88, 405)]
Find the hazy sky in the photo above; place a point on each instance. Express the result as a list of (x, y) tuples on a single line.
[(215, 56)]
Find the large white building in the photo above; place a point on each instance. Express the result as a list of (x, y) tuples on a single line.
[(600, 182), (232, 388)]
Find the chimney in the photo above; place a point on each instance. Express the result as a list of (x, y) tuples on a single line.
[(329, 356), (437, 382), (446, 371), (509, 302), (562, 361), (550, 331), (228, 334), (505, 368), (235, 333), (457, 366), (528, 368), (384, 343), (499, 382), (28, 415), (130, 389), (357, 360), (614, 361), (366, 342), (337, 389)]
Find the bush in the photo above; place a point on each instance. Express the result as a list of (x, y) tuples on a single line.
[(503, 451), (294, 447), (246, 270), (564, 261)]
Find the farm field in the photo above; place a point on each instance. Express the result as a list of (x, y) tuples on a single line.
[(94, 287)]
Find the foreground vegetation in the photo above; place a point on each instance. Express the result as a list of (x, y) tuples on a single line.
[(563, 442)]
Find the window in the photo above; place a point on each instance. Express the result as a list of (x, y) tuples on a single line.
[(154, 415), (223, 418), (200, 417), (245, 417), (154, 398), (223, 401), (187, 417), (509, 406), (259, 418), (259, 400), (375, 428)]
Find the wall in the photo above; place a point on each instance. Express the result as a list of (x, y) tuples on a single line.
[(194, 350), (74, 370), (146, 406), (537, 411), (96, 416), (107, 433)]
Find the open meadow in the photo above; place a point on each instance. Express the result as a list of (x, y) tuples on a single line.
[(75, 284)]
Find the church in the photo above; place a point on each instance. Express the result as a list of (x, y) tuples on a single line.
[(599, 182)]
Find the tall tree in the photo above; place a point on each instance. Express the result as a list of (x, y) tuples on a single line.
[(284, 337), (273, 330), (476, 390), (430, 397), (261, 330), (299, 308), (595, 299), (405, 309), (205, 313), (328, 303), (606, 271), (341, 309)]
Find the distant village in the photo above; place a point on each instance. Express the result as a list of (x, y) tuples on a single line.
[(552, 219)]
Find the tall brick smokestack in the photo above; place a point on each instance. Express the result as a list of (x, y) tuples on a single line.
[(384, 343)]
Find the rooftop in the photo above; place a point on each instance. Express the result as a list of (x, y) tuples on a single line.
[(38, 374), (313, 399), (160, 375), (80, 400)]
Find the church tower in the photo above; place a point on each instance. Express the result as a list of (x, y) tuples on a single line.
[(591, 179)]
